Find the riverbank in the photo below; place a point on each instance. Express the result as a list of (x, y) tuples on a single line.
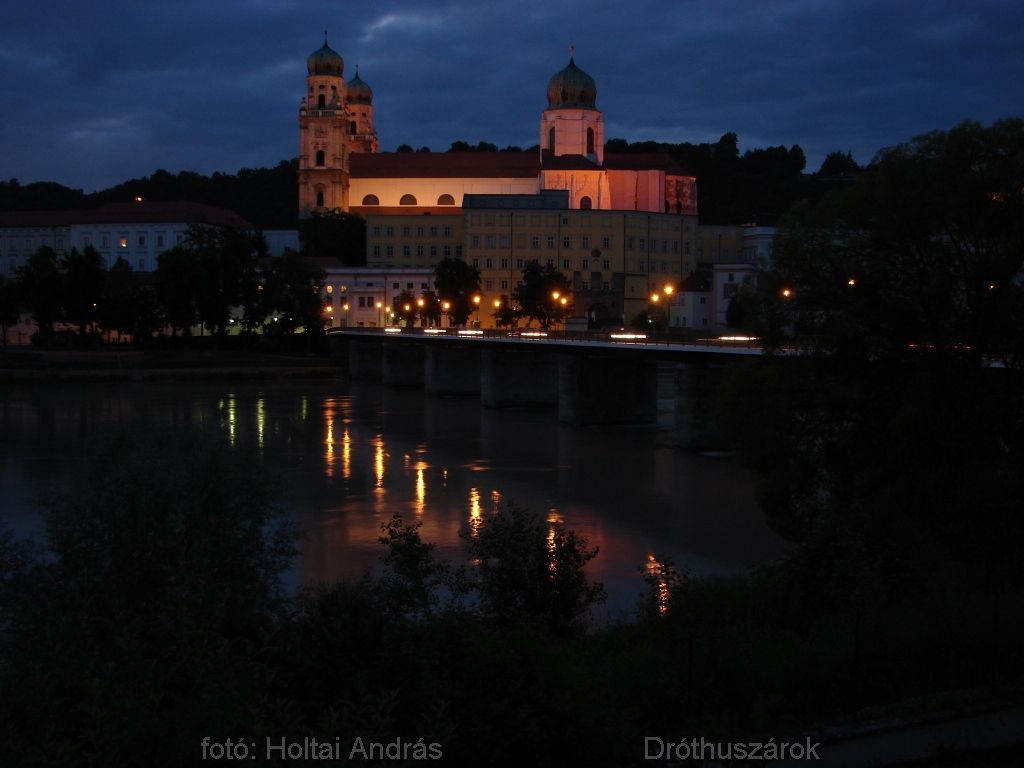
[(113, 364)]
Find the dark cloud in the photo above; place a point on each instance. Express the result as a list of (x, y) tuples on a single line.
[(95, 94)]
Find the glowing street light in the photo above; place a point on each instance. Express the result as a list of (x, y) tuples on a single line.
[(787, 293), (655, 298)]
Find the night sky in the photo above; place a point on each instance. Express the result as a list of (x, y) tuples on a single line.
[(97, 93)]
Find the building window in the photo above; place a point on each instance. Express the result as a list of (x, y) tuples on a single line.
[(590, 151), (535, 242), (490, 241), (376, 250), (519, 263), (476, 262), (565, 264), (447, 251), (606, 265), (390, 251), (406, 251), (504, 285), (585, 285), (142, 241), (372, 200), (446, 230), (585, 203), (419, 251), (446, 200), (319, 199), (504, 263), (352, 127), (458, 251), (551, 262), (321, 101), (406, 231), (419, 231), (320, 156), (567, 241), (586, 264), (551, 139), (122, 242), (585, 241), (433, 231), (433, 251), (488, 285), (606, 242), (551, 241), (159, 241), (407, 200), (489, 264), (475, 241)]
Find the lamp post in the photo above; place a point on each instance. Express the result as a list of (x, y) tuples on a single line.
[(380, 313), (476, 307)]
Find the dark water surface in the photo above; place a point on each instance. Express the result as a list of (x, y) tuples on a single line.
[(348, 456)]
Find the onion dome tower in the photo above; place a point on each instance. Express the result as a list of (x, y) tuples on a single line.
[(323, 177), (572, 123), (359, 100)]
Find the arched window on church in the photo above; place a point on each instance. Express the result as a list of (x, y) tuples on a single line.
[(320, 158), (585, 203), (319, 199), (551, 139), (371, 200), (446, 200), (590, 141), (407, 200), (320, 101), (352, 127)]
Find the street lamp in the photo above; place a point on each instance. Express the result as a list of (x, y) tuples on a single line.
[(380, 313), (476, 307)]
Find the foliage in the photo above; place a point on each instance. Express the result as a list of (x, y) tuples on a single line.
[(405, 307), (907, 411), (534, 296), (457, 282), (839, 164), (291, 295), (336, 235), (10, 305), (178, 275), (527, 567), (39, 284)]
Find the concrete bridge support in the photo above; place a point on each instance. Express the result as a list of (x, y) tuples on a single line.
[(451, 369), (606, 389), (511, 377), (402, 364), (364, 359), (696, 386)]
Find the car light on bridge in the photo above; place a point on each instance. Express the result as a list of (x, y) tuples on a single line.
[(534, 334), (471, 332), (628, 336), (737, 338), (392, 329), (435, 330)]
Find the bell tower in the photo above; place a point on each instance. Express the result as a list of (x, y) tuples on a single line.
[(572, 123), (323, 165), (359, 113)]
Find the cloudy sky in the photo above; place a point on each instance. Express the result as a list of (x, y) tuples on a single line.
[(98, 92)]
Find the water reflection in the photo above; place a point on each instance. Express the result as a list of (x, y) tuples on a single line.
[(615, 487), (657, 576)]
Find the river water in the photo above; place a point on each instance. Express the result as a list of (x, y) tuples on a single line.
[(349, 455)]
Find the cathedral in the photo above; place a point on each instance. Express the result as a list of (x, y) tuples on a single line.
[(622, 227), (341, 169)]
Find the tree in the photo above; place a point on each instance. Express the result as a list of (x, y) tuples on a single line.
[(10, 305), (457, 282), (227, 259), (292, 296), (528, 567), (178, 274), (404, 307), (907, 288), (82, 287), (839, 164), (39, 283), (334, 234), (535, 295)]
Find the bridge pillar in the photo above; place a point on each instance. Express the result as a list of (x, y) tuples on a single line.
[(696, 384), (517, 377), (364, 359), (401, 363), (451, 369), (606, 389)]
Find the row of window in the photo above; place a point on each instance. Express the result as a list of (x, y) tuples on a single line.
[(407, 199), (444, 251), (389, 230)]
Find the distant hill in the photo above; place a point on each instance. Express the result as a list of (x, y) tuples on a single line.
[(267, 197), (756, 187)]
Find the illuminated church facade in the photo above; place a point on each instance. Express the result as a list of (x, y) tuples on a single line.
[(620, 226)]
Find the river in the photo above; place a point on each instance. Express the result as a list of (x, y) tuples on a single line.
[(349, 455)]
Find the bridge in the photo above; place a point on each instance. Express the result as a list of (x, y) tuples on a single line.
[(591, 378)]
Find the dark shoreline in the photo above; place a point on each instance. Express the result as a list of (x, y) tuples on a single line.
[(31, 365)]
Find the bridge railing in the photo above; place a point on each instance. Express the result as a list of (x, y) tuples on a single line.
[(537, 334)]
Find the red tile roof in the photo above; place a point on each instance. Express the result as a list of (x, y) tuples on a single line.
[(439, 165), (658, 161)]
